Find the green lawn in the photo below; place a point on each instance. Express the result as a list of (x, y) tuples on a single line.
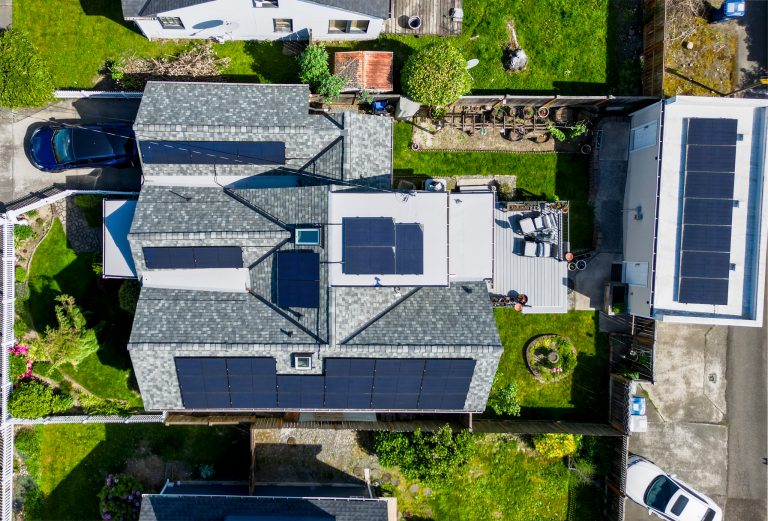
[(539, 176), (57, 269), (506, 480), (70, 462), (566, 43), (581, 396)]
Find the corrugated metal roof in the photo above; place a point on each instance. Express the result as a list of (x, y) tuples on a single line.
[(543, 279), (370, 70)]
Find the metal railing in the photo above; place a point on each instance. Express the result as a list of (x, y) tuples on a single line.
[(52, 420)]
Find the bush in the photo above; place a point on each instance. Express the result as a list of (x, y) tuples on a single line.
[(120, 499), (505, 401), (554, 446), (24, 78), (313, 65), (436, 75), (429, 457), (91, 208), (23, 232), (34, 399), (128, 296), (17, 367), (71, 342), (92, 404), (62, 403), (330, 87), (21, 274)]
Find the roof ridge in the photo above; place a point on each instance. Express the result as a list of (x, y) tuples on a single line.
[(242, 200), (380, 315)]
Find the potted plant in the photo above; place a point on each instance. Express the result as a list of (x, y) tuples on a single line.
[(543, 112), (528, 112)]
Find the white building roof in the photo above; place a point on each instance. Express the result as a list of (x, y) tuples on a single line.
[(470, 235), (748, 238), (116, 254)]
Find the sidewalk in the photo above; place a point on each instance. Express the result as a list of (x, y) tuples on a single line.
[(6, 13)]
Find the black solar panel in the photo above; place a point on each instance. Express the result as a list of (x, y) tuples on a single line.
[(213, 152), (706, 238), (711, 131), (717, 185), (298, 279), (159, 258), (368, 231), (701, 158), (703, 291), (409, 249), (708, 265), (375, 260), (300, 391), (708, 211)]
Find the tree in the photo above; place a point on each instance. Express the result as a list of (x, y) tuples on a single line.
[(436, 75), (71, 342), (24, 78), (313, 65)]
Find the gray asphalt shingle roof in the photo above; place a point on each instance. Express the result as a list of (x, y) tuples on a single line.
[(213, 508), (133, 8), (377, 8)]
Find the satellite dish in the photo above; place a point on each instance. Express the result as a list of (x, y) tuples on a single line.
[(472, 63)]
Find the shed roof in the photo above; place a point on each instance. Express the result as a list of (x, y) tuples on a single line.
[(369, 70)]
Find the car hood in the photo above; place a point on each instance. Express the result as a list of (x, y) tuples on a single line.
[(639, 476), (41, 149)]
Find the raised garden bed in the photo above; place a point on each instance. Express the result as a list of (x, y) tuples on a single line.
[(550, 358)]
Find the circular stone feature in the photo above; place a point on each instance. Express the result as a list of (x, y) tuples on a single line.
[(550, 358)]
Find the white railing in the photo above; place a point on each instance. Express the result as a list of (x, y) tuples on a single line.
[(49, 420), (13, 214), (79, 94)]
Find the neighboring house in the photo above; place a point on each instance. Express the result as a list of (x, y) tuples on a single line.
[(258, 19), (281, 273), (695, 219)]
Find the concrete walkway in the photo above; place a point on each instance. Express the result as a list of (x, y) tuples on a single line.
[(6, 13)]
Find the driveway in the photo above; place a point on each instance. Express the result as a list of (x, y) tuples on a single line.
[(753, 46), (18, 178)]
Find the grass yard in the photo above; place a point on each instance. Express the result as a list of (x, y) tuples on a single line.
[(581, 396), (566, 43), (57, 269), (68, 463), (539, 176), (506, 480)]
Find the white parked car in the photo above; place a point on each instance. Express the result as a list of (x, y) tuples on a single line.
[(665, 495)]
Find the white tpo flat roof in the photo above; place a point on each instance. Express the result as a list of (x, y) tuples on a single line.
[(117, 258), (470, 235)]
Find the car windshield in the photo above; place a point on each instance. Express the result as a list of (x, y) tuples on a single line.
[(659, 492), (62, 146)]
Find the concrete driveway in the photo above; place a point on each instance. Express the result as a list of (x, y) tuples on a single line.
[(687, 434), (18, 178), (752, 54)]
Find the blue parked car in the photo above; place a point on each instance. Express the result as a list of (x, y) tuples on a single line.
[(55, 147)]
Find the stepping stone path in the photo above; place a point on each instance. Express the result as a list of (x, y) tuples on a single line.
[(81, 237), (413, 489), (427, 492)]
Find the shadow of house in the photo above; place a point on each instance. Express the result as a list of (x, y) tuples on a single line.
[(277, 463), (75, 496)]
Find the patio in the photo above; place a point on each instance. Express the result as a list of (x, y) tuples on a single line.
[(530, 243), (435, 17)]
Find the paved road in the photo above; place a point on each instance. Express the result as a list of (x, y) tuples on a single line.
[(747, 398), (18, 178)]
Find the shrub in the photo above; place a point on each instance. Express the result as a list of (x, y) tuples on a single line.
[(92, 404), (24, 78), (330, 87), (71, 342), (429, 457), (505, 401), (128, 296), (313, 65), (21, 274), (558, 134), (91, 207), (34, 399), (23, 232), (61, 403), (17, 367), (365, 97), (436, 75), (584, 470), (120, 498), (554, 446)]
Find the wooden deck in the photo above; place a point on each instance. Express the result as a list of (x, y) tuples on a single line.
[(433, 13)]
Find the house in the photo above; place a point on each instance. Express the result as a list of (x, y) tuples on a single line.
[(695, 214), (281, 273), (258, 19)]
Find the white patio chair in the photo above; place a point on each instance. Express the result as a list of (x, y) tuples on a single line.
[(529, 250), (527, 226)]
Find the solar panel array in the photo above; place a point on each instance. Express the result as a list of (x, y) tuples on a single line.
[(298, 279), (187, 257), (378, 246), (348, 383), (710, 164), (212, 152)]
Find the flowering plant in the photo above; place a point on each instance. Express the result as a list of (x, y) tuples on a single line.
[(20, 365), (120, 499)]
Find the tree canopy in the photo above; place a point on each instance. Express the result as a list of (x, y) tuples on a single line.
[(436, 75), (24, 78)]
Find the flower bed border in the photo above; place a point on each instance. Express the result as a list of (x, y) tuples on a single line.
[(535, 372)]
